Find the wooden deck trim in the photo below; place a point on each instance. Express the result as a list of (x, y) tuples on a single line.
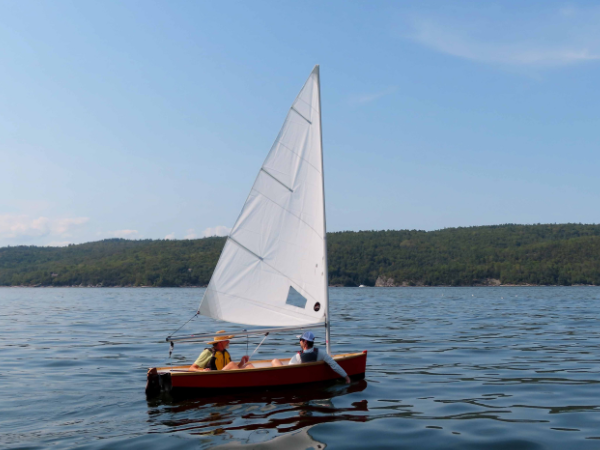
[(341, 357)]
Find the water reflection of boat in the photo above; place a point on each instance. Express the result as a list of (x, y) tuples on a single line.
[(282, 411), (297, 440), (272, 271)]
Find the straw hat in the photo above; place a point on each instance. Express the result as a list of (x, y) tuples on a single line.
[(220, 338)]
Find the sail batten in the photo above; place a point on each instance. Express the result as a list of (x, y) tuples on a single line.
[(248, 250), (275, 178), (300, 114), (277, 243)]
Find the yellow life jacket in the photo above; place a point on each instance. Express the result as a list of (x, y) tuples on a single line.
[(219, 359)]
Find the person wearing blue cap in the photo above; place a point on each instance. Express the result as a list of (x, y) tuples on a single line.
[(310, 353)]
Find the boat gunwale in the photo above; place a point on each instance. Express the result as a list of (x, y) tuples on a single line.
[(184, 373)]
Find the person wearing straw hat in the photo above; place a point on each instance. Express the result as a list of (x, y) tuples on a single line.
[(217, 357)]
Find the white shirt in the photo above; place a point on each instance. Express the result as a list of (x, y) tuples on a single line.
[(321, 356)]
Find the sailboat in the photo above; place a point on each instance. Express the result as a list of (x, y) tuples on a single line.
[(272, 271)]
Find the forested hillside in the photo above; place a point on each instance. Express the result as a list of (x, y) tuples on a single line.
[(508, 254)]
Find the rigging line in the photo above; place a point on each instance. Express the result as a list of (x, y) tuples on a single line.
[(198, 312), (261, 342)]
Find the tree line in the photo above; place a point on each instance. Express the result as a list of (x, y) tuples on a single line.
[(543, 254)]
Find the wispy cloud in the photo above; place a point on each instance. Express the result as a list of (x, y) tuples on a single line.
[(191, 234), (125, 233), (368, 98), (170, 236), (58, 244), (15, 226), (553, 38), (219, 230)]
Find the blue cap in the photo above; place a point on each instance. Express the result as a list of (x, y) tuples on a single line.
[(308, 336)]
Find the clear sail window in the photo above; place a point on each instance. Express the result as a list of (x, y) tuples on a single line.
[(295, 299)]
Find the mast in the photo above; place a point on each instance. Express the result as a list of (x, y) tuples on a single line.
[(326, 265)]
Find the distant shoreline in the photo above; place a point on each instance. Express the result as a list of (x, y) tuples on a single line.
[(496, 255)]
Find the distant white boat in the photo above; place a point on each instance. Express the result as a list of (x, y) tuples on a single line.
[(362, 285)]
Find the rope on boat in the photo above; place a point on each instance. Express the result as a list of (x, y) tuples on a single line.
[(261, 342), (197, 312), (172, 346)]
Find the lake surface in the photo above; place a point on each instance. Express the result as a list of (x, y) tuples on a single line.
[(448, 368)]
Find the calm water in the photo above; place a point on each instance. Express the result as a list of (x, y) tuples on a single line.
[(456, 368)]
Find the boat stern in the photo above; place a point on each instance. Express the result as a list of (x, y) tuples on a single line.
[(157, 381)]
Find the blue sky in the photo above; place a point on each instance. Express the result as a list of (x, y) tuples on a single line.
[(148, 119)]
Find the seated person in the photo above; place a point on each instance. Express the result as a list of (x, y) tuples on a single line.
[(218, 358), (310, 353)]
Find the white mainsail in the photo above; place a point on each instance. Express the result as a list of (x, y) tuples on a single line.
[(273, 268)]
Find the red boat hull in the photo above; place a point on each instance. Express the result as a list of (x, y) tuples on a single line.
[(262, 377)]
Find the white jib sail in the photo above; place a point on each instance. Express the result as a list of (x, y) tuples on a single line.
[(272, 269)]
